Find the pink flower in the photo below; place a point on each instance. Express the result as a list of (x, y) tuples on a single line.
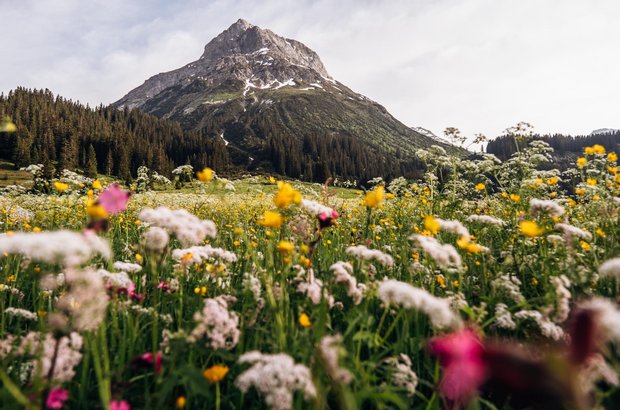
[(56, 398), (148, 358), (114, 199), (119, 405), (461, 356)]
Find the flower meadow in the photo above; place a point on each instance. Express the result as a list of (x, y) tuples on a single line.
[(485, 284)]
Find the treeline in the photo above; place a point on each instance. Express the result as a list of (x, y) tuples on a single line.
[(64, 134), (505, 146)]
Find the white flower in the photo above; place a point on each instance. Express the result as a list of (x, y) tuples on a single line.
[(546, 326), (552, 208), (188, 228), (329, 349), (402, 374), (156, 239), (608, 316), (509, 284), (561, 284), (570, 231), (503, 319), (198, 254), (275, 377), (118, 280), (343, 274), (69, 248), (127, 267), (393, 292), (315, 208), (216, 322), (86, 301), (20, 313), (445, 255), (454, 227), (43, 346), (362, 252), (610, 268), (485, 219)]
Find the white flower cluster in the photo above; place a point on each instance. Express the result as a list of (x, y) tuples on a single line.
[(127, 267), (183, 170), (86, 301), (117, 280), (571, 231), (509, 284), (546, 326), (13, 211), (393, 292), (69, 248), (343, 274), (71, 177), (188, 228), (503, 318), (275, 377), (485, 219), (316, 208), (216, 322), (311, 287), (199, 254), (610, 268), (608, 316), (445, 255), (402, 374), (563, 296), (156, 239), (329, 349), (20, 313), (454, 227), (551, 208), (362, 252), (42, 347)]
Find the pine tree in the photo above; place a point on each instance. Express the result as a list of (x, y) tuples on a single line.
[(91, 162)]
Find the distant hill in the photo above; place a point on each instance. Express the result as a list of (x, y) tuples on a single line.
[(271, 101)]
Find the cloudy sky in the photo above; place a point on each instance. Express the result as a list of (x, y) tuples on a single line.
[(479, 65)]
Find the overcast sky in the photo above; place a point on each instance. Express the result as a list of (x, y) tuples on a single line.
[(479, 65)]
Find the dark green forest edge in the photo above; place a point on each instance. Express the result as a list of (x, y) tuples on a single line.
[(63, 134)]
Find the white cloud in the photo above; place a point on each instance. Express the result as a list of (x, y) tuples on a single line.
[(480, 65)]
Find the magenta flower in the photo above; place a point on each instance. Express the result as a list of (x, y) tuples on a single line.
[(119, 405), (461, 356), (56, 398), (114, 199), (148, 358)]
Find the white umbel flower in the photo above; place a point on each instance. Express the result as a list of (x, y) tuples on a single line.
[(393, 292), (187, 228), (276, 377), (445, 255), (485, 219), (67, 247), (362, 252), (610, 268), (553, 209)]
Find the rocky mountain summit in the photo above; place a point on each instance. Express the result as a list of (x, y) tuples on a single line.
[(273, 103)]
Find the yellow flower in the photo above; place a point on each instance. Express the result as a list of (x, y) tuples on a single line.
[(286, 195), (612, 170), (431, 224), (467, 245), (139, 258), (612, 157), (61, 186), (584, 245), (504, 195), (272, 180), (600, 232), (271, 219), (552, 181), (591, 181), (215, 373), (479, 187), (441, 281), (390, 195), (181, 402), (374, 197), (530, 229), (580, 191), (285, 247), (97, 184), (581, 162), (95, 210), (588, 150), (304, 320), (515, 197), (598, 149), (206, 175)]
